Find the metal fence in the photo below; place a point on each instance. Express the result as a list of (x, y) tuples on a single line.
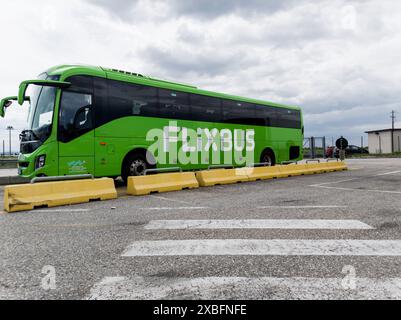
[(315, 147)]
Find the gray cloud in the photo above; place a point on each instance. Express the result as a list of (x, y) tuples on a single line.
[(201, 9), (179, 62), (337, 59), (212, 9), (121, 8)]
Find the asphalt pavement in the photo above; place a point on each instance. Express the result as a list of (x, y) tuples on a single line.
[(328, 236)]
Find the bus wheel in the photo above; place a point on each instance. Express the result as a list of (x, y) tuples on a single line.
[(135, 165), (268, 157)]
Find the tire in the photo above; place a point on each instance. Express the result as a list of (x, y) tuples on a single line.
[(268, 157), (134, 165)]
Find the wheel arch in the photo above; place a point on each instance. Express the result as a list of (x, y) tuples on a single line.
[(142, 151)]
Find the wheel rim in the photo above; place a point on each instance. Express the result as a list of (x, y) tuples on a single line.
[(267, 159), (138, 168)]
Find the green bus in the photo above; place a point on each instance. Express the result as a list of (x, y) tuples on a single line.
[(104, 122)]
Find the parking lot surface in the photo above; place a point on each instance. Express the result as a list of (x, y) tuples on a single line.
[(329, 236)]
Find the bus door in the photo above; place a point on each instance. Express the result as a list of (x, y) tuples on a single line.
[(76, 133)]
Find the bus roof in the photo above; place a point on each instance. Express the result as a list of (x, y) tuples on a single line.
[(69, 70)]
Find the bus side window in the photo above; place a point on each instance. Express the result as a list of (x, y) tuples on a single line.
[(205, 108), (129, 99), (262, 117), (75, 115), (288, 118), (174, 104), (238, 112)]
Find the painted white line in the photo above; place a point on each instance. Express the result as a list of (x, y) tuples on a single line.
[(363, 190), (388, 173), (234, 288), (177, 208), (249, 247), (302, 207), (167, 199), (333, 182), (257, 224), (62, 210)]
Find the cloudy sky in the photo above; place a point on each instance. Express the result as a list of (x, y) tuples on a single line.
[(339, 60)]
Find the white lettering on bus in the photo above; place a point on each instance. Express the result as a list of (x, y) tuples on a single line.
[(207, 141)]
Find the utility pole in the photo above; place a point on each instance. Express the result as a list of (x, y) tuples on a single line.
[(10, 128), (4, 149), (392, 130)]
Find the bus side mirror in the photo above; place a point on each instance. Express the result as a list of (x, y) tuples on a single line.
[(4, 104)]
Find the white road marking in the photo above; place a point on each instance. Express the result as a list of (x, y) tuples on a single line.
[(325, 185), (302, 207), (257, 224), (333, 182), (257, 288), (388, 173), (167, 199), (177, 208), (249, 247), (351, 189), (62, 210)]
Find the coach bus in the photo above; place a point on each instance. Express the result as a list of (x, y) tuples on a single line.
[(94, 120)]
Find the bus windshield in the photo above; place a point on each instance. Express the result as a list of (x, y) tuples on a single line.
[(41, 111)]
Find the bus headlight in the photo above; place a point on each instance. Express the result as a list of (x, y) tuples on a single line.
[(40, 162)]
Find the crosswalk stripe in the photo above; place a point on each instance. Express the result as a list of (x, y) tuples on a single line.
[(247, 247), (213, 288), (257, 224)]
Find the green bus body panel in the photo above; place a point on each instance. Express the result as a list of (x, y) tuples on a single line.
[(116, 146), (50, 149), (78, 156), (102, 151)]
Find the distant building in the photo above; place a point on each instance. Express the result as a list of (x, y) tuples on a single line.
[(380, 141)]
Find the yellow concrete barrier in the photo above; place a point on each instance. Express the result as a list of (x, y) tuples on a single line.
[(336, 166), (222, 176), (26, 197), (293, 170), (166, 182), (265, 173), (316, 168)]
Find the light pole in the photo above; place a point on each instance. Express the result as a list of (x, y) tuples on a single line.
[(10, 128), (392, 130)]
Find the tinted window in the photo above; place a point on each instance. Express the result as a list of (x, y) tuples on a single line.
[(128, 99), (263, 115), (287, 118), (278, 117), (83, 84), (205, 108), (100, 102), (75, 115), (174, 104), (238, 112)]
